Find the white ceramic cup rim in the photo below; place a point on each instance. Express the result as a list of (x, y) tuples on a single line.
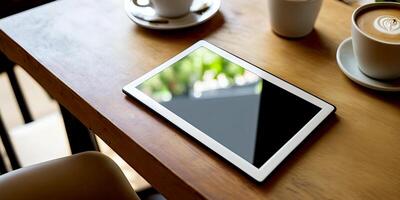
[(376, 4)]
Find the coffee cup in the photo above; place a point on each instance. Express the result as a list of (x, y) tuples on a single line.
[(293, 18), (168, 8), (376, 39)]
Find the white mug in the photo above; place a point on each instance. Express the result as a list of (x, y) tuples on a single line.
[(293, 18), (376, 58), (168, 8)]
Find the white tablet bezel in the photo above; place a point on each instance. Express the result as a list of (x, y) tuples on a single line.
[(257, 173)]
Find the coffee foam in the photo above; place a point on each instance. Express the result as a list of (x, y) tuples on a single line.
[(387, 24), (380, 22)]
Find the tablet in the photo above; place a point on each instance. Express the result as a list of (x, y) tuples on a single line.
[(248, 116)]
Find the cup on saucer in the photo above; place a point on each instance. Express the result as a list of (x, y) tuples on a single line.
[(146, 16), (350, 67), (376, 39), (168, 8)]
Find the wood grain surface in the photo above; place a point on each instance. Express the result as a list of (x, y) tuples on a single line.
[(84, 51)]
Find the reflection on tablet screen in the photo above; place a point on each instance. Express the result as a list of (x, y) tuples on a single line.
[(235, 107)]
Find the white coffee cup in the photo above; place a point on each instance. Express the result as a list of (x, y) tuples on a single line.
[(168, 8), (376, 58), (293, 18)]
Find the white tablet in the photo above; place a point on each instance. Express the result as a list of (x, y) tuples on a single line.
[(248, 116)]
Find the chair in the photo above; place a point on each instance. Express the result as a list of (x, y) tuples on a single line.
[(8, 67), (4, 137), (88, 175), (9, 7)]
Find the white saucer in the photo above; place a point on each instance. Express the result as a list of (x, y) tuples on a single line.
[(349, 66), (188, 20)]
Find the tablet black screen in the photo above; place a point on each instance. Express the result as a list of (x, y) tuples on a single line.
[(250, 116)]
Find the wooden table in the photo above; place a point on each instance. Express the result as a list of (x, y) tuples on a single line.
[(84, 51)]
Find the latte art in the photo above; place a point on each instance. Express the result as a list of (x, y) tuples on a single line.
[(388, 24), (382, 23)]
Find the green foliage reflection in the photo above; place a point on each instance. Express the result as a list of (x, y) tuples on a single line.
[(201, 66)]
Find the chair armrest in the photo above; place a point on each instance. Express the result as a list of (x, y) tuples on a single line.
[(89, 175)]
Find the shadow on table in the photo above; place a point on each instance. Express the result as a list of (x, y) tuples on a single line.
[(392, 98), (318, 41), (193, 33), (315, 42)]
